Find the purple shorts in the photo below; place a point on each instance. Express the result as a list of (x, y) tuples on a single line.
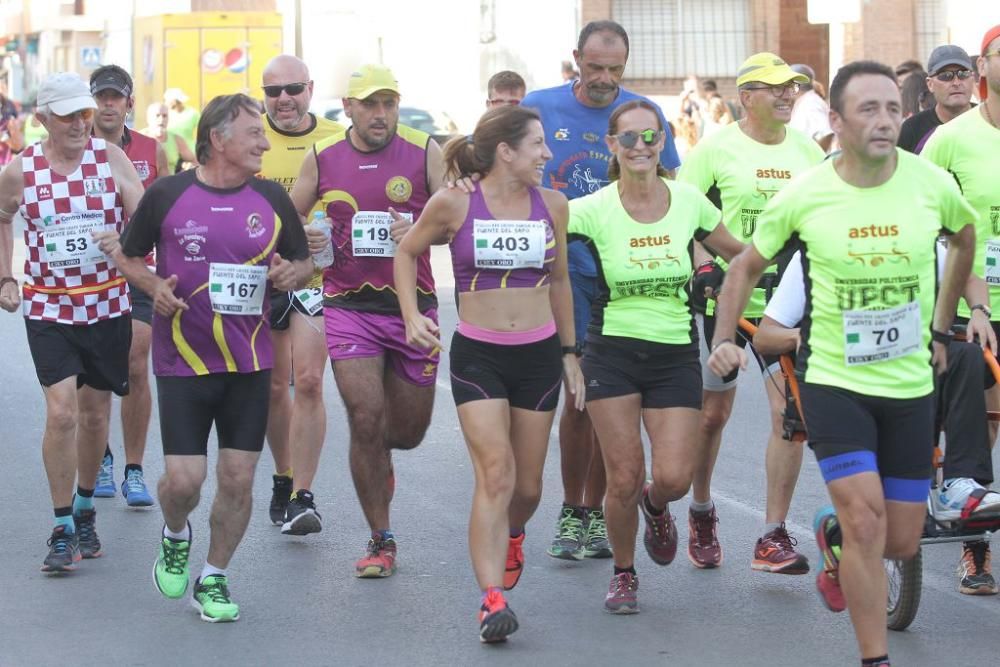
[(352, 334)]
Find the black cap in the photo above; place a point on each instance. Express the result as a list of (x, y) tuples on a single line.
[(111, 77)]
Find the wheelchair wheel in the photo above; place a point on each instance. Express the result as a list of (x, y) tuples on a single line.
[(905, 579)]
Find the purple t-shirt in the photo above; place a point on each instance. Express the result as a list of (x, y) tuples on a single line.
[(194, 226)]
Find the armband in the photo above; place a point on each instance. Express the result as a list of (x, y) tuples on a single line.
[(944, 338)]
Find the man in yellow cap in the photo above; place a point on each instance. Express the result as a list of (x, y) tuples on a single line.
[(740, 168), (387, 386)]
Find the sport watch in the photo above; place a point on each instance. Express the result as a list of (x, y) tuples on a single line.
[(983, 307)]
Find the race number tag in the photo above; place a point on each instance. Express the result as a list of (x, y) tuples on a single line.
[(370, 234), (310, 299), (992, 269), (70, 243), (509, 244), (237, 289), (872, 336)]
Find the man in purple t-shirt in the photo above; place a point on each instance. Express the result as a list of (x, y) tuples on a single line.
[(221, 236)]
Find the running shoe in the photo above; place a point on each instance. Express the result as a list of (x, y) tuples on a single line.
[(211, 599), (86, 532), (170, 571), (828, 578), (379, 559), (660, 538), (949, 501), (496, 620), (301, 517), (105, 487), (974, 571), (281, 493), (515, 562), (622, 594), (596, 544), (568, 542), (134, 490), (704, 550), (64, 551), (775, 552)]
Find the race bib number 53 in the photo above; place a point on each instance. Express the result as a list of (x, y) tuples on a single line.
[(509, 244), (237, 289), (872, 336), (70, 243)]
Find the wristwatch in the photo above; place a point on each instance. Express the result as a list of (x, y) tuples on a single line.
[(983, 307)]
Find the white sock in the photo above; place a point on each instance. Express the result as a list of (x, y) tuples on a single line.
[(209, 570), (702, 507), (184, 535)]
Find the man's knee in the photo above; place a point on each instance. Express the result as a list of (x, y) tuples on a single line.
[(182, 483), (625, 482), (862, 522), (715, 411), (61, 417)]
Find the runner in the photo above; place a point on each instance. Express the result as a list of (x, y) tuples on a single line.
[(740, 168), (505, 88), (575, 117), (76, 304), (950, 78), (641, 356), (221, 235), (177, 150), (969, 148), (111, 87), (867, 222), (508, 249), (295, 429), (386, 384)]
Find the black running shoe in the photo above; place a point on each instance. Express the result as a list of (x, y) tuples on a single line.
[(64, 551), (86, 531), (280, 494), (301, 517)]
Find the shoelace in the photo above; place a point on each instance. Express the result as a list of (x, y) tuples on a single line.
[(978, 554), (134, 482), (780, 536), (626, 583), (60, 542), (85, 528), (175, 555), (597, 527), (104, 475), (570, 526), (216, 589), (704, 529), (375, 546)]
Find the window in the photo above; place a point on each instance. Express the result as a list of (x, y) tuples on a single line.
[(931, 27)]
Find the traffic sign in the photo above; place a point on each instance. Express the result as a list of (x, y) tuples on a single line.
[(90, 56)]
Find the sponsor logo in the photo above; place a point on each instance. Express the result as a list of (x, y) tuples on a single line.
[(562, 134), (93, 187), (994, 219), (649, 241), (255, 226), (592, 137), (363, 167), (399, 189), (221, 209), (141, 168), (429, 370), (191, 227), (873, 231), (193, 248), (44, 192)]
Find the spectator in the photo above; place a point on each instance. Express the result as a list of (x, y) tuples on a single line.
[(908, 67), (915, 95), (950, 80), (505, 88), (569, 72), (811, 113)]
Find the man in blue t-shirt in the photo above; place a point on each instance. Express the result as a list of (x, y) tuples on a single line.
[(575, 119)]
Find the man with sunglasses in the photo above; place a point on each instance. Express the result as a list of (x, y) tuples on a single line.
[(575, 118), (740, 168), (111, 87), (969, 148), (76, 304), (296, 426), (950, 79), (505, 88)]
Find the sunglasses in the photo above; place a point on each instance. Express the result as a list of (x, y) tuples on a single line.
[(630, 139), (292, 89), (499, 102), (949, 75), (84, 114), (778, 90)]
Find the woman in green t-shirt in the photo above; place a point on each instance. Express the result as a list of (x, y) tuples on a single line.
[(641, 355)]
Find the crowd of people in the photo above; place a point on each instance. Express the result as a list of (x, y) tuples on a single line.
[(241, 245)]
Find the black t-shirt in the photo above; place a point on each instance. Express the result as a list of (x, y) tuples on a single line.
[(917, 129)]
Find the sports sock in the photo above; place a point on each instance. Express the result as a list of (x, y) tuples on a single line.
[(702, 508), (649, 508), (768, 527), (64, 517), (209, 570), (622, 570), (287, 473), (881, 661), (83, 500), (489, 590), (183, 536), (132, 466), (516, 532), (384, 534)]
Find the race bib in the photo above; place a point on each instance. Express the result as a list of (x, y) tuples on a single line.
[(992, 269), (310, 299), (237, 289), (509, 244), (70, 243), (370, 234), (872, 336)]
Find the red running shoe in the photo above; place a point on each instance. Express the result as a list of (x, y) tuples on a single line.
[(660, 538), (828, 579), (704, 550), (622, 597), (379, 559), (496, 620), (775, 552), (515, 562)]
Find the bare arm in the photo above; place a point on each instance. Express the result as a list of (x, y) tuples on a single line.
[(772, 337), (126, 177), (957, 265), (742, 276), (186, 152), (11, 186), (162, 166), (977, 292), (722, 242), (304, 191)]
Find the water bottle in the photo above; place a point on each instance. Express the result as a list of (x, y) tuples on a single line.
[(323, 258)]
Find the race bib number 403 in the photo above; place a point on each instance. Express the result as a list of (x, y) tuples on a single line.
[(70, 244), (872, 336), (370, 234), (509, 244), (237, 289)]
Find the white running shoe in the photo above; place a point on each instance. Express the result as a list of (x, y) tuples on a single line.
[(948, 501)]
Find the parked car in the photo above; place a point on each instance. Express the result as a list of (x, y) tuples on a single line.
[(436, 123)]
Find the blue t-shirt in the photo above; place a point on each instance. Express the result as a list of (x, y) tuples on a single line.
[(579, 165)]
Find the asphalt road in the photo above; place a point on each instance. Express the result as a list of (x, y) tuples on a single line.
[(301, 604)]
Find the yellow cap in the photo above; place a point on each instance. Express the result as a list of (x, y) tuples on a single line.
[(767, 68), (369, 79)]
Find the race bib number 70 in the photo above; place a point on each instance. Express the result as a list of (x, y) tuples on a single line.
[(872, 336)]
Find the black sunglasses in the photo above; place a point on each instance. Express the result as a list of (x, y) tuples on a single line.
[(949, 75), (630, 139), (292, 89)]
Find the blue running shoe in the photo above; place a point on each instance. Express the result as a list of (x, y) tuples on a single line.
[(828, 540), (134, 490), (105, 487)]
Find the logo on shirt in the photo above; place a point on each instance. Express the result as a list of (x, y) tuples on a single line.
[(399, 189), (44, 192), (141, 168), (255, 226), (221, 209), (774, 173), (591, 137), (649, 241), (995, 219), (192, 240), (873, 231), (562, 134), (363, 167), (93, 187)]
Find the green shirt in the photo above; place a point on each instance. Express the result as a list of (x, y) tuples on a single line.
[(870, 272), (185, 124), (643, 268), (969, 148), (740, 175)]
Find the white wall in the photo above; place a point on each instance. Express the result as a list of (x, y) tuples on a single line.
[(968, 21)]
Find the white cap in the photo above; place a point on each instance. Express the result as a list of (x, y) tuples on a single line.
[(171, 94), (65, 93)]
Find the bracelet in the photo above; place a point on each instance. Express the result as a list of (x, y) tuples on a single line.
[(715, 346), (569, 349), (983, 307), (944, 338)]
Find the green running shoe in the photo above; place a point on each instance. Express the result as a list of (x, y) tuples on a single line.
[(568, 542), (596, 544), (211, 598), (170, 571)]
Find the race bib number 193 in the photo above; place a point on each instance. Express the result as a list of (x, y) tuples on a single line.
[(237, 289)]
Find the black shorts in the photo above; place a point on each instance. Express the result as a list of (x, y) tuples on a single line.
[(283, 304), (142, 305), (851, 433), (712, 382), (667, 376), (527, 375), (235, 402), (97, 354)]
